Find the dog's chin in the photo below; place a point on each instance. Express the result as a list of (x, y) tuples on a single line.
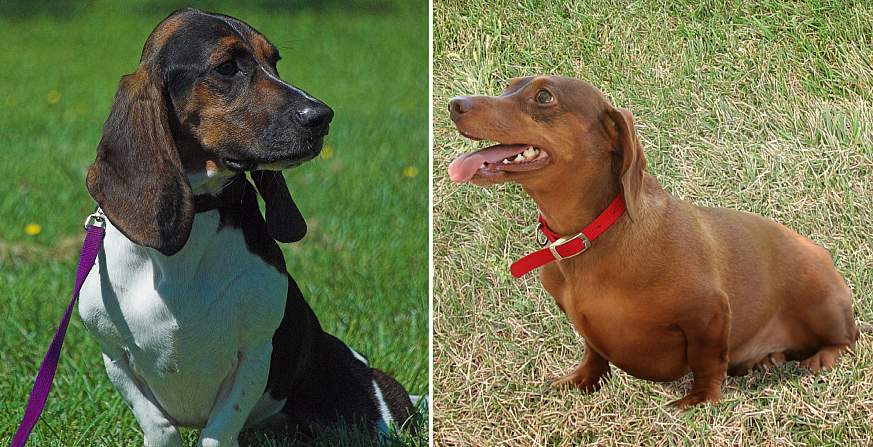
[(237, 164), (276, 161), (276, 165), (282, 164), (489, 178)]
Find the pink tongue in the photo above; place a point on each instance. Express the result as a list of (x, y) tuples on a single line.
[(464, 167)]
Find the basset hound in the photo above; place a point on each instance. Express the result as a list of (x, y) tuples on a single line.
[(199, 322)]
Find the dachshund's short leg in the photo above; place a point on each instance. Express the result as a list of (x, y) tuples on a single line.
[(707, 333), (831, 318), (588, 374)]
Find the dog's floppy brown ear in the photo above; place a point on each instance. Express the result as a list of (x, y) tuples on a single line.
[(137, 178), (633, 161), (284, 221)]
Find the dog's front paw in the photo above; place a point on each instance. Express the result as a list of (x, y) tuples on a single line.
[(212, 442), (164, 436), (588, 383), (696, 397)]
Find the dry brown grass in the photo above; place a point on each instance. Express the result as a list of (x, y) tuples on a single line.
[(762, 107)]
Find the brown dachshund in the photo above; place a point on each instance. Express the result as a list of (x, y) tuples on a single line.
[(670, 287)]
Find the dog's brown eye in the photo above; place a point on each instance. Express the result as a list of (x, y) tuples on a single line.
[(544, 97), (228, 68)]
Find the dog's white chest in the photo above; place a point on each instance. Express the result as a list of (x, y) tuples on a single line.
[(181, 322)]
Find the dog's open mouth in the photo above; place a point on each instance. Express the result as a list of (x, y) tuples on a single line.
[(497, 159)]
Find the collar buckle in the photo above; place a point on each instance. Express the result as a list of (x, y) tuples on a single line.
[(553, 247)]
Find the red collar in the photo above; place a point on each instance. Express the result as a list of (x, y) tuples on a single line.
[(568, 246)]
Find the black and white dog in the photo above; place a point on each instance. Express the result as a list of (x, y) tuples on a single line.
[(199, 322)]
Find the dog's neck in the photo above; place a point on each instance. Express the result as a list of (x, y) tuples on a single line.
[(205, 174), (571, 206)]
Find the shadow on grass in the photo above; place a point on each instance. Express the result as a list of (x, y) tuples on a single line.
[(24, 9), (753, 381), (413, 434)]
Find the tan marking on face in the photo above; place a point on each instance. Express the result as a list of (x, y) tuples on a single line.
[(194, 159), (210, 130), (267, 96), (213, 166), (212, 134), (268, 87), (215, 126), (263, 49), (225, 45)]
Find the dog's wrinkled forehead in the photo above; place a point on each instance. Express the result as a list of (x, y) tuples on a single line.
[(572, 94), (192, 39)]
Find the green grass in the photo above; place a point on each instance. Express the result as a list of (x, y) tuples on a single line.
[(761, 106), (363, 265)]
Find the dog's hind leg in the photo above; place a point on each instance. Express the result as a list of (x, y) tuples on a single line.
[(706, 336), (833, 322)]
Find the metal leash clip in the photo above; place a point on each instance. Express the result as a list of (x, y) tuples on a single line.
[(97, 219)]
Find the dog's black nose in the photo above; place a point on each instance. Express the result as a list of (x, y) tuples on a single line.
[(315, 115), (459, 105)]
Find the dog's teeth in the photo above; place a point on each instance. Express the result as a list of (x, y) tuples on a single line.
[(530, 152), (506, 161), (519, 158)]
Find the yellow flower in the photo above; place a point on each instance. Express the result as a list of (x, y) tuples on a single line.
[(81, 108), (327, 152), (410, 171), (32, 229), (53, 96)]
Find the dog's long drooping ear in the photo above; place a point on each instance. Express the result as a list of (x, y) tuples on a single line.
[(137, 178), (284, 221), (633, 161)]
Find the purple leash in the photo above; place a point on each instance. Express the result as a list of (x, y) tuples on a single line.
[(95, 227)]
